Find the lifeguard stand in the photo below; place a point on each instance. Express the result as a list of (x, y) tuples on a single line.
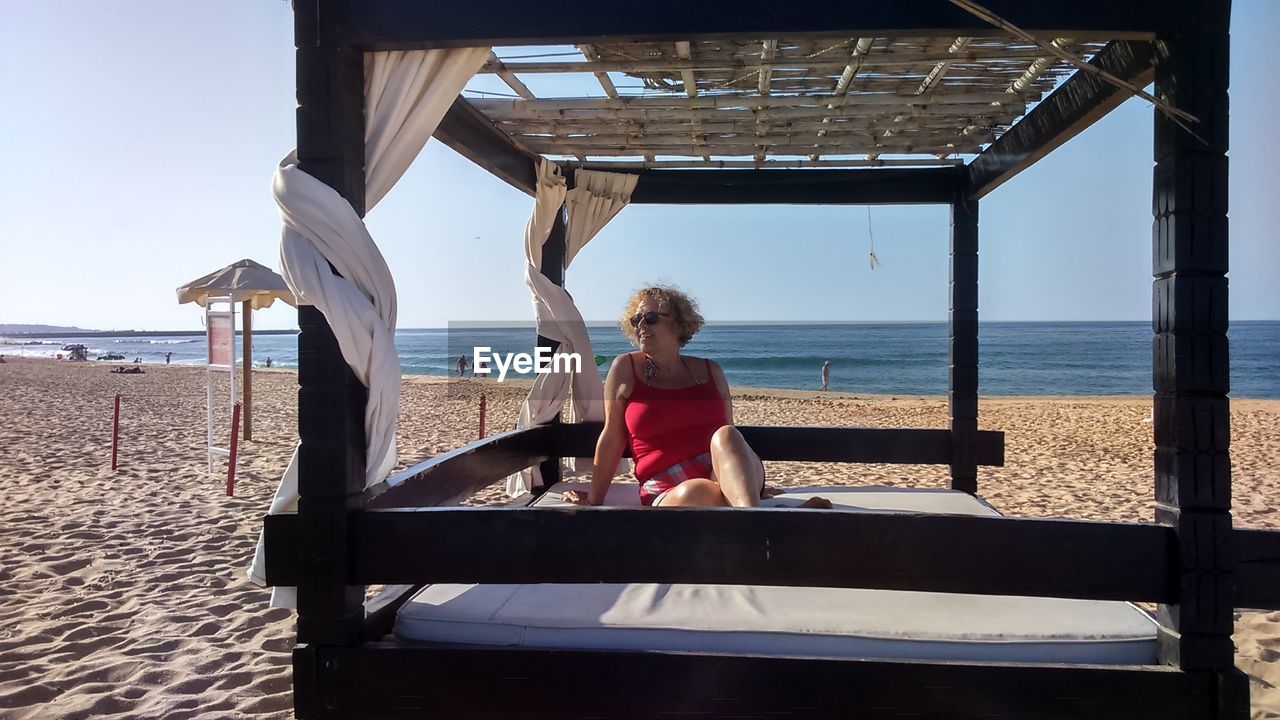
[(220, 336)]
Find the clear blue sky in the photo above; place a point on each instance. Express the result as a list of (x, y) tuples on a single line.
[(140, 138)]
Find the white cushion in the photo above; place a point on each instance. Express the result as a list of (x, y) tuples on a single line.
[(791, 621)]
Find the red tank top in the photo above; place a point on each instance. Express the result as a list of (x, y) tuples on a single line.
[(671, 425)]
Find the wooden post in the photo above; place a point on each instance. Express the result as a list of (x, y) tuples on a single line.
[(247, 322), (331, 401), (1191, 379), (234, 451), (115, 432), (553, 252), (963, 397)]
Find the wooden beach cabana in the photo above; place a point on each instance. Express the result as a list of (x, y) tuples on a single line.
[(796, 103)]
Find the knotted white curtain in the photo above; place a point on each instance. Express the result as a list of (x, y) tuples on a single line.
[(595, 199), (406, 96)]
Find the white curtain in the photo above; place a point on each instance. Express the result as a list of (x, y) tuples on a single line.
[(406, 96), (595, 199)]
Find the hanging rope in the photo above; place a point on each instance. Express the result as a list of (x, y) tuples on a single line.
[(871, 255)]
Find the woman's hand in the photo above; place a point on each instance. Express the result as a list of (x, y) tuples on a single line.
[(574, 497)]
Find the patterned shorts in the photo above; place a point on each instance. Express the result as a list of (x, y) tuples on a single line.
[(656, 486)]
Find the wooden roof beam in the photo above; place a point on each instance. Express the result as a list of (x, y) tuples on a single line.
[(469, 133), (798, 187), (1077, 103), (400, 25)]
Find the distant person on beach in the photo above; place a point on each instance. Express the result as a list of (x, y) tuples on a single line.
[(268, 362), (826, 373), (462, 365), (676, 414), (167, 356), (137, 361), (122, 370)]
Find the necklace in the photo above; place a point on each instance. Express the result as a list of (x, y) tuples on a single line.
[(651, 368)]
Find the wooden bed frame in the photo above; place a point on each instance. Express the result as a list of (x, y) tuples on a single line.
[(1192, 561)]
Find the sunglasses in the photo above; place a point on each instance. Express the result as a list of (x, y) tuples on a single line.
[(650, 318)]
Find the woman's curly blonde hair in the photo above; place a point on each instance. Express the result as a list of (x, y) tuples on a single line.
[(684, 312)]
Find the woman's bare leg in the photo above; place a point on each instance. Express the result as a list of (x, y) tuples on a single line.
[(736, 468), (696, 492), (740, 473)]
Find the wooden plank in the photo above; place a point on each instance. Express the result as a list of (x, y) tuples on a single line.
[(893, 551), (807, 187), (821, 444), (1077, 103), (448, 478), (389, 680), (1257, 567), (395, 24), (474, 137)]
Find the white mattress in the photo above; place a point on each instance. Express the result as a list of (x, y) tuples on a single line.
[(787, 621)]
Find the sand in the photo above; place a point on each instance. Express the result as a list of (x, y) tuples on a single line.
[(122, 594)]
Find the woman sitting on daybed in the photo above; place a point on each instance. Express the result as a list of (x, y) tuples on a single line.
[(676, 413)]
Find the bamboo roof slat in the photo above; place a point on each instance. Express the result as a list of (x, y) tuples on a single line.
[(781, 164), (602, 77), (684, 52), (510, 78), (566, 128), (742, 100), (740, 149), (495, 105), (1015, 107)]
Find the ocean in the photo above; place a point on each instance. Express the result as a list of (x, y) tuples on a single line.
[(1079, 358)]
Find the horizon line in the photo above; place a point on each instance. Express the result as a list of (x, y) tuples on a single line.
[(529, 324)]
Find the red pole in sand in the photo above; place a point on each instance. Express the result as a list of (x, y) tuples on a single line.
[(235, 446), (482, 417), (115, 432)]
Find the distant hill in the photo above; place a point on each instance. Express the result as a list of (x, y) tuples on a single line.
[(24, 329)]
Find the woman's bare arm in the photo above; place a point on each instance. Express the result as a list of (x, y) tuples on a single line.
[(722, 384), (613, 439)]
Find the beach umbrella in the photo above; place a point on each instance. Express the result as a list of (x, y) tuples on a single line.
[(256, 287), (244, 281)]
